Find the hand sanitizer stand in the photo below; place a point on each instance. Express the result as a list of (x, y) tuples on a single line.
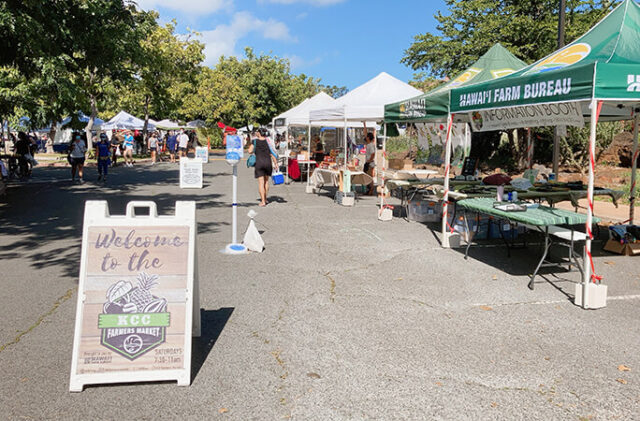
[(235, 152)]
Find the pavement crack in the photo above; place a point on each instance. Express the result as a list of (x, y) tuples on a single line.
[(61, 300), (332, 288)]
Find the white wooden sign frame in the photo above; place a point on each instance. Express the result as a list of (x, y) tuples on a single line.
[(196, 163), (98, 219), (202, 152)]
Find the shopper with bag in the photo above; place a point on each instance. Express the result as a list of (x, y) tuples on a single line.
[(266, 161)]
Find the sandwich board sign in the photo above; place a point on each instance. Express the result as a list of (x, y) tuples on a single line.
[(191, 173), (138, 301), (202, 152)]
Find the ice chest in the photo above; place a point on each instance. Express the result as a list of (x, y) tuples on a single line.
[(278, 178), (425, 210)]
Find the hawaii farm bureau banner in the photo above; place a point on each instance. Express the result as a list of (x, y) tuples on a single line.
[(559, 78), (565, 114)]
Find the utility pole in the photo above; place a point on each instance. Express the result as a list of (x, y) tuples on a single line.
[(556, 137), (561, 22)]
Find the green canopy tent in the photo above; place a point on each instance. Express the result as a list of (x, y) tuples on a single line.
[(596, 76), (433, 106)]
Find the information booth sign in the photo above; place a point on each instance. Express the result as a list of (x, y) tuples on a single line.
[(202, 152), (191, 173), (138, 302)]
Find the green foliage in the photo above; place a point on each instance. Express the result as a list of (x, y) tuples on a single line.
[(334, 91), (247, 91), (527, 28), (401, 146)]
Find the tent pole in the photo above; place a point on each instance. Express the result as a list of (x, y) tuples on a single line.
[(345, 140), (529, 149), (556, 152), (308, 152), (384, 157), (634, 168), (445, 198), (588, 258)]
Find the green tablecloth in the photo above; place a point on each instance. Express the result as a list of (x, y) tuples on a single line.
[(552, 197), (541, 216)]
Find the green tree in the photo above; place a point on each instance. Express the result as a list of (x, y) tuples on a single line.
[(334, 91), (527, 28), (248, 91), (167, 65), (107, 39)]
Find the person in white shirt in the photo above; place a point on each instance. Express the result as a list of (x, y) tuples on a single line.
[(183, 142), (370, 161), (77, 157)]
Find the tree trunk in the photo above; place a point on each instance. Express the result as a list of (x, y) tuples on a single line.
[(147, 99), (92, 118), (52, 137)]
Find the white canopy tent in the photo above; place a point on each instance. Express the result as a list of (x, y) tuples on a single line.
[(299, 115), (124, 120), (364, 104), (167, 124)]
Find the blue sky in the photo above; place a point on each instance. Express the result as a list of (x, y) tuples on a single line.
[(343, 42)]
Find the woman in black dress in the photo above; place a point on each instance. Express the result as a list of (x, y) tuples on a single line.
[(265, 162)]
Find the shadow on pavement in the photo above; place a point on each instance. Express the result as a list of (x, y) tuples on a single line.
[(36, 216), (213, 322)]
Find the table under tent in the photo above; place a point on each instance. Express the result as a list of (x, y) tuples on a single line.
[(430, 112), (596, 77)]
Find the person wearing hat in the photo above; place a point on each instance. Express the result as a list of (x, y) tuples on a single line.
[(77, 157), (128, 149)]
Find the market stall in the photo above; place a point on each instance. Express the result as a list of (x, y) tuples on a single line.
[(125, 121), (595, 77), (430, 110), (363, 105)]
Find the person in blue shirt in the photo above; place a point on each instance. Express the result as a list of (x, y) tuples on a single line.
[(128, 149), (172, 142), (103, 156)]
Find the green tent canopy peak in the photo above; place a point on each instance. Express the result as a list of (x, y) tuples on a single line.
[(603, 63), (497, 62)]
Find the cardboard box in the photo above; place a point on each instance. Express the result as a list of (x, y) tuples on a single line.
[(408, 164), (396, 164), (625, 249)]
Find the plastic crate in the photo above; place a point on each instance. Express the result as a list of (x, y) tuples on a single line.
[(424, 210)]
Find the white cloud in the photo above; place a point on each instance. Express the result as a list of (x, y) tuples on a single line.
[(298, 63), (202, 7), (222, 39)]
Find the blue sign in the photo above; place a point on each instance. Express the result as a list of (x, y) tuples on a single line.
[(235, 149)]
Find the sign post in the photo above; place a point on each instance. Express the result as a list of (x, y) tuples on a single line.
[(138, 303), (235, 152)]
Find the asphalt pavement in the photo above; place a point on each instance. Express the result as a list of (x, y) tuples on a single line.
[(342, 317)]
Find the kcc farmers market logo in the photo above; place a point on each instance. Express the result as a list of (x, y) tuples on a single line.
[(563, 58), (133, 321)]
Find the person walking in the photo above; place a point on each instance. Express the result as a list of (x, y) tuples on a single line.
[(171, 146), (370, 160), (183, 143), (77, 156), (115, 149), (266, 160), (103, 157), (128, 149), (153, 147)]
